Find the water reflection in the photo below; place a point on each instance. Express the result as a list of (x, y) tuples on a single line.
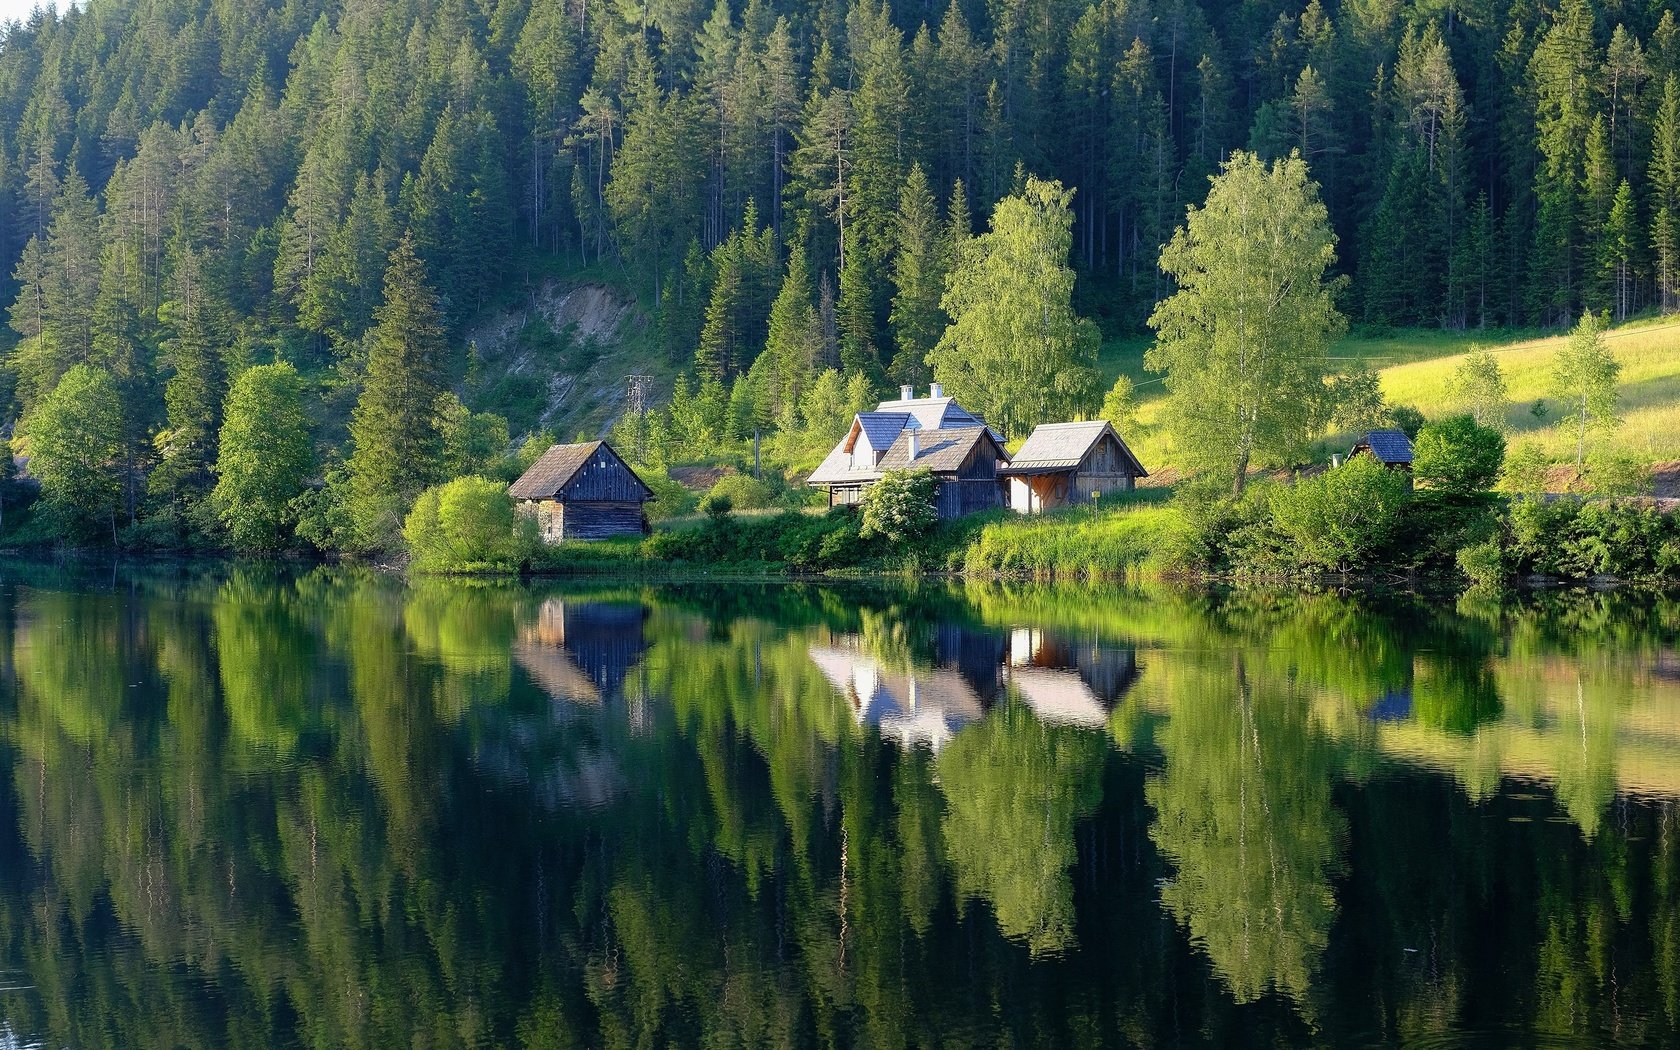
[(330, 809)]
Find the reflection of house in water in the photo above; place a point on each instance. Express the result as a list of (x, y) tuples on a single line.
[(1394, 705), (582, 651), (1063, 682), (916, 706), (1067, 682)]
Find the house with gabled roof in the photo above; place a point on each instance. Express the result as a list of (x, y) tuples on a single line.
[(1064, 464), (932, 433), (582, 492)]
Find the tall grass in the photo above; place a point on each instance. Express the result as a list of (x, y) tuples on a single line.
[(1074, 544)]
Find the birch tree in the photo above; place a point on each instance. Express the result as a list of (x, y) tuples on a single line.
[(1244, 341)]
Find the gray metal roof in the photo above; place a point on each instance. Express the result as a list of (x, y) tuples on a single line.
[(1063, 446), (934, 413), (941, 451), (882, 427), (1389, 446)]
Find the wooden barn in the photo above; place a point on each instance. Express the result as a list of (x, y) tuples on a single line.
[(582, 492), (1064, 464)]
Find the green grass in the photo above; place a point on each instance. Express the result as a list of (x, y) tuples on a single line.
[(1416, 367), (1649, 353), (1074, 544)]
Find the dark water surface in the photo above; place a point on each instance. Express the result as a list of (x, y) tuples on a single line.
[(252, 808)]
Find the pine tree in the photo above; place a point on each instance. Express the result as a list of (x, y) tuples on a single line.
[(192, 399), (398, 449), (794, 342), (919, 277), (1563, 70), (855, 317), (1665, 194), (1617, 245)]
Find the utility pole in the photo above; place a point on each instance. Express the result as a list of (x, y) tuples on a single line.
[(637, 394)]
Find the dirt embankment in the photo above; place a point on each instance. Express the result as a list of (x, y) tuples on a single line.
[(559, 362)]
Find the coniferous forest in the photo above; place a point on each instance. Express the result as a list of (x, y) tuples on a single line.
[(231, 221)]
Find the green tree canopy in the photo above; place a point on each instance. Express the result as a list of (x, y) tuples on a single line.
[(266, 457), (1244, 340), (74, 441), (1016, 353)]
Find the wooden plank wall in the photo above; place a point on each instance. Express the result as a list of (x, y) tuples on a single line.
[(604, 479), (601, 520)]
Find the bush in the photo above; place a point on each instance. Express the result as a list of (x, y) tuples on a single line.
[(1458, 455), (462, 525), (1618, 475), (717, 505), (1525, 471), (1573, 539), (743, 491), (899, 507), (1406, 419), (1344, 517), (1484, 563), (670, 498)]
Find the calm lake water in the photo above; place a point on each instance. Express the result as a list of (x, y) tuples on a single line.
[(327, 809)]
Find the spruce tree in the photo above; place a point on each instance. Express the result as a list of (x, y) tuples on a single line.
[(919, 278), (398, 448), (795, 337)]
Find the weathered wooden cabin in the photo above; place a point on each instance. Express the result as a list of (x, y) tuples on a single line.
[(582, 492), (879, 441), (964, 462), (1063, 464)]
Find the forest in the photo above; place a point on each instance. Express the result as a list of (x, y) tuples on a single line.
[(300, 208)]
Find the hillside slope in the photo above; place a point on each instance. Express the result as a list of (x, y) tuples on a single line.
[(1416, 368)]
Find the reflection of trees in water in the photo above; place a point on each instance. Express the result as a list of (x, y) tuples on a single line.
[(1015, 789), (1245, 816), (240, 812)]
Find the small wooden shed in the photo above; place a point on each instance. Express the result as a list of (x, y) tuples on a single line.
[(582, 492), (1063, 464), (1391, 448)]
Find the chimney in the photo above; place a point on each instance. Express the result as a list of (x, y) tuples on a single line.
[(915, 444), (936, 390), (906, 392)]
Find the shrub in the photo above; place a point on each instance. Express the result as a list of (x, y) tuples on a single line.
[(1574, 539), (1406, 419), (743, 491), (899, 507), (1342, 518), (670, 498), (1525, 471), (717, 505), (1483, 563), (1618, 475), (1458, 455), (462, 524)]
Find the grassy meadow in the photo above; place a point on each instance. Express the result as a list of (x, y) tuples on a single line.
[(1417, 367)]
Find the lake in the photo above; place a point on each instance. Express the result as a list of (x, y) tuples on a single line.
[(268, 807)]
